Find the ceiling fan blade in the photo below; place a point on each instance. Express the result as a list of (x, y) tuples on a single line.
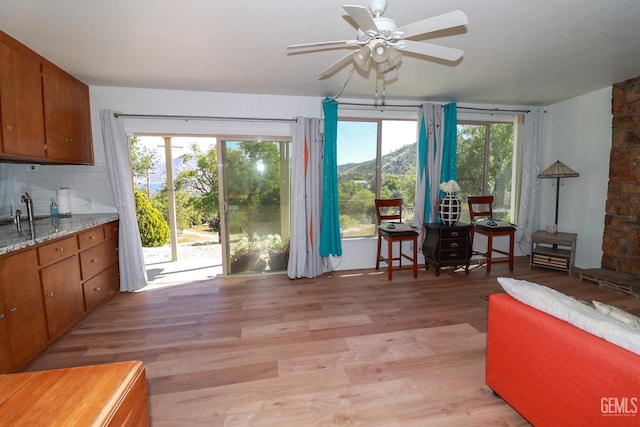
[(427, 49), (337, 65), (436, 23), (336, 43), (362, 17)]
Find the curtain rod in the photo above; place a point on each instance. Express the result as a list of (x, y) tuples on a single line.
[(212, 118), (497, 110)]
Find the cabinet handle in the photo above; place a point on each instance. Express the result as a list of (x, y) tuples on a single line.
[(454, 245), (13, 309), (97, 289), (92, 237), (60, 249), (9, 127), (94, 260), (454, 233), (50, 294), (1, 316), (68, 139)]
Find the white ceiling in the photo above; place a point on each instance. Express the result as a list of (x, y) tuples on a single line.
[(516, 52)]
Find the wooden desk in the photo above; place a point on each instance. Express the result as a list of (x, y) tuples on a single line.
[(447, 245), (113, 394)]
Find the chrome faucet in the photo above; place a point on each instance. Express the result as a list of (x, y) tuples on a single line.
[(26, 199), (17, 220)]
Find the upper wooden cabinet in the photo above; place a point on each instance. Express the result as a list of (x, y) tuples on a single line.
[(67, 117), (44, 112), (21, 107)]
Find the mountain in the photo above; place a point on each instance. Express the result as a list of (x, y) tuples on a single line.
[(397, 162)]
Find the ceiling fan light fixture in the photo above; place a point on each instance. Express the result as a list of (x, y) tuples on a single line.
[(362, 57), (380, 52)]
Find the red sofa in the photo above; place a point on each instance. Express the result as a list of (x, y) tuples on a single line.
[(555, 374)]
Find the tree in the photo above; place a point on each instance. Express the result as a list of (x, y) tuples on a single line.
[(202, 180), (143, 160), (154, 230)]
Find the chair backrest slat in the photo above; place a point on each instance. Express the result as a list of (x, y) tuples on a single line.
[(388, 210), (480, 207)]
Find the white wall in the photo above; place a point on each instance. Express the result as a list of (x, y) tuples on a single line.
[(578, 133)]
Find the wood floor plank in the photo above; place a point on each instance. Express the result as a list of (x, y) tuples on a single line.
[(344, 349)]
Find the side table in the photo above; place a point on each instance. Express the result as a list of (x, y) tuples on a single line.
[(447, 245), (553, 250)]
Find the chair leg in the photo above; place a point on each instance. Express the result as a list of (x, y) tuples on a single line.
[(390, 258), (378, 257), (511, 242), (415, 258), (489, 251)]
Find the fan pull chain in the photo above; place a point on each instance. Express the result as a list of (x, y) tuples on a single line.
[(349, 74)]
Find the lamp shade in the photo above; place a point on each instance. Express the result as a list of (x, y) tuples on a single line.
[(558, 170)]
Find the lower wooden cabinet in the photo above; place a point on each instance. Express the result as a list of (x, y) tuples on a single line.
[(24, 315), (63, 296), (46, 289)]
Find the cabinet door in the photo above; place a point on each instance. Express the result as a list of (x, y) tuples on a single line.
[(21, 106), (6, 363), (63, 299), (23, 304), (67, 117)]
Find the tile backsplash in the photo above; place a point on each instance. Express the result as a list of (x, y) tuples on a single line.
[(90, 187)]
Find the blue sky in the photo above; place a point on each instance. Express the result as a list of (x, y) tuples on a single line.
[(357, 140)]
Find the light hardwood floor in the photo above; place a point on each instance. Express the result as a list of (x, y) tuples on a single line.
[(349, 348)]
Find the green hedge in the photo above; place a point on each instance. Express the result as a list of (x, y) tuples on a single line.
[(154, 230)]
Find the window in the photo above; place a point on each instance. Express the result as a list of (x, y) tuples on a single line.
[(485, 165), (376, 159)]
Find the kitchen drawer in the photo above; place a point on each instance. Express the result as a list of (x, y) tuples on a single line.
[(91, 237), (57, 250), (100, 287), (111, 230), (98, 258)]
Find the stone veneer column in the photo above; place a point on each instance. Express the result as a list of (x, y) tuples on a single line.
[(621, 240)]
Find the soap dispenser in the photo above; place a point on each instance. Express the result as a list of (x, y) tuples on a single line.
[(54, 208)]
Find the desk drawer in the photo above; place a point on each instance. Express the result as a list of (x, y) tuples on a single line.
[(460, 254), (454, 233), (454, 244), (550, 261)]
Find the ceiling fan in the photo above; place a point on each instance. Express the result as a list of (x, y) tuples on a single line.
[(380, 41)]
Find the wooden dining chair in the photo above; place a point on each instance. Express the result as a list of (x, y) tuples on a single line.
[(390, 211), (481, 207)]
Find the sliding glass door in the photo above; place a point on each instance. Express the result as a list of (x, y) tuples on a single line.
[(255, 182)]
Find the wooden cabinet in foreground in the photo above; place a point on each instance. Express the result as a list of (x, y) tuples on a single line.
[(113, 394)]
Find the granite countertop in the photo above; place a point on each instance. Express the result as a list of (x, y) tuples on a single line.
[(11, 240)]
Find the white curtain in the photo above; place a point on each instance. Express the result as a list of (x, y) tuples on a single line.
[(306, 200), (133, 275), (429, 163), (533, 129)]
